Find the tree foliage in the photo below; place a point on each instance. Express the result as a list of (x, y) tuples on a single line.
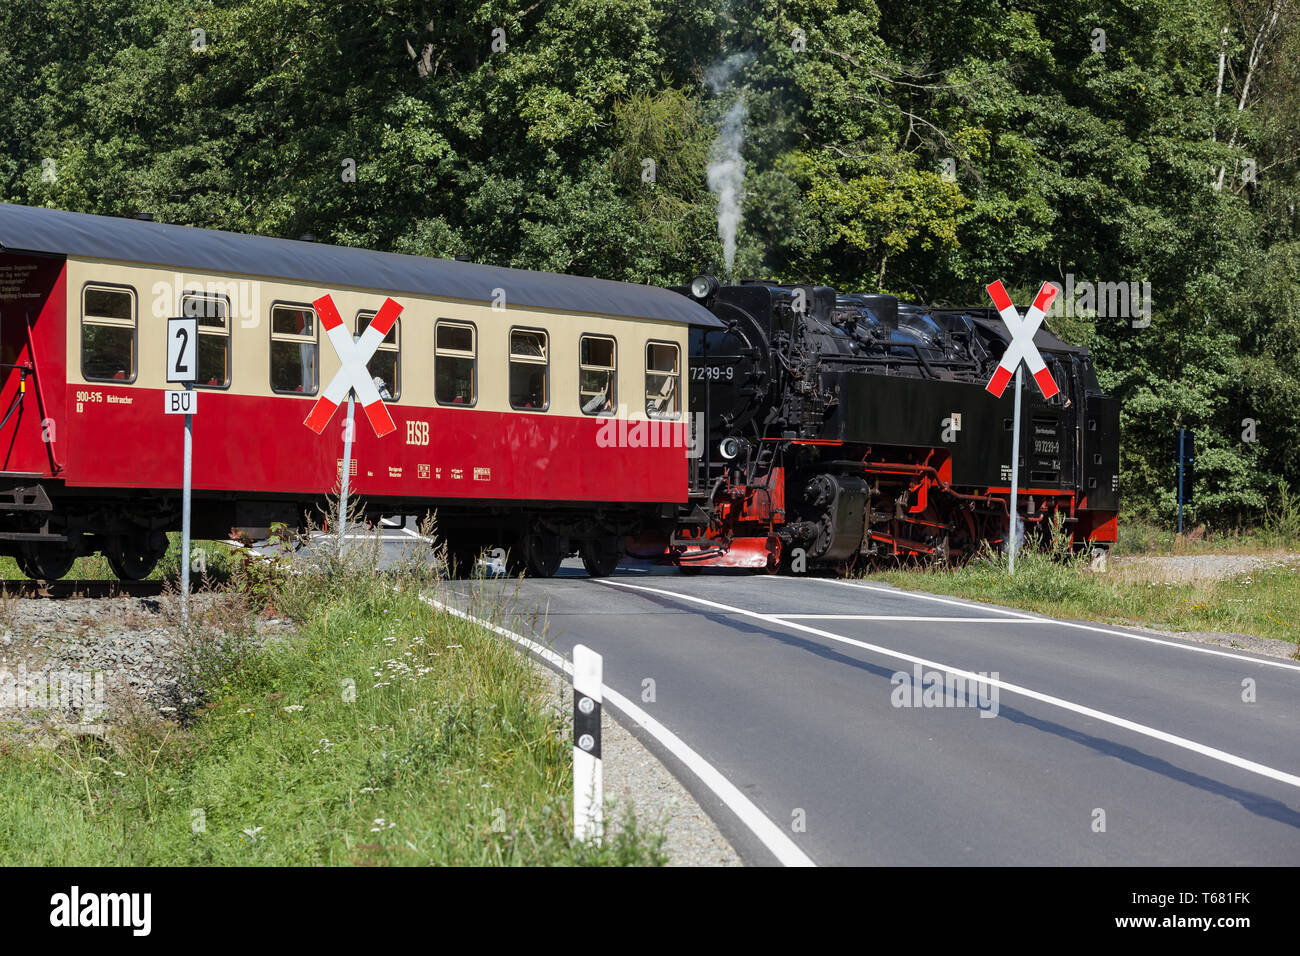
[(923, 149)]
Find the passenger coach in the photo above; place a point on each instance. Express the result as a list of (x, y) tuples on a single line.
[(503, 384)]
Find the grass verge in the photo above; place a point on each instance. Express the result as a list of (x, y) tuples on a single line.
[(1264, 602), (380, 733)]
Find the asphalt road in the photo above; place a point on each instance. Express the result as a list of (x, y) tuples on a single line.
[(1083, 745)]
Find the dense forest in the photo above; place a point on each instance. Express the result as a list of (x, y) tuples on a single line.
[(1145, 154)]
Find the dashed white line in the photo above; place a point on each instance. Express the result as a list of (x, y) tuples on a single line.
[(768, 833), (1206, 751)]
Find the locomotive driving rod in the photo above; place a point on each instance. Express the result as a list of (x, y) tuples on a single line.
[(929, 470)]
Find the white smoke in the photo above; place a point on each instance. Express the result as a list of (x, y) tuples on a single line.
[(726, 175)]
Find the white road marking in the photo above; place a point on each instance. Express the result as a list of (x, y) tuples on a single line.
[(1206, 751), (898, 592), (910, 618), (767, 832)]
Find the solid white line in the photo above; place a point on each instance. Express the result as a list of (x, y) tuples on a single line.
[(768, 833), (898, 592), (1206, 751), (909, 618)]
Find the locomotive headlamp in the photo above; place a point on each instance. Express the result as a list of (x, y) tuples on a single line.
[(703, 286), (732, 448)]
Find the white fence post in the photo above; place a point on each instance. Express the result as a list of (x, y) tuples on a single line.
[(588, 783)]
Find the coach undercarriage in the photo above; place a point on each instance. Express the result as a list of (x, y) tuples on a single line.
[(46, 528)]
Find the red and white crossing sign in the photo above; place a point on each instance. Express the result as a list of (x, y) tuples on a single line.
[(353, 376), (1022, 345)]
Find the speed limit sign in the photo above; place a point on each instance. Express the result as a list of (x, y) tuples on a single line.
[(182, 348)]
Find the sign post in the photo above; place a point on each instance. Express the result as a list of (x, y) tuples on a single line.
[(1013, 533), (1186, 456), (1020, 349), (352, 379), (182, 367), (346, 469)]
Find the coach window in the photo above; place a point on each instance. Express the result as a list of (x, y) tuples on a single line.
[(529, 362), (385, 365), (108, 334), (213, 313), (597, 375), (454, 360), (294, 368), (662, 379)]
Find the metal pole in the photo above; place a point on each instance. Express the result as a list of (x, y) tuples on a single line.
[(185, 517), (347, 467), (1182, 433), (1015, 478)]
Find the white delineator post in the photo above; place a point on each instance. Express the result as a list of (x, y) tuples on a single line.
[(1020, 349), (588, 782)]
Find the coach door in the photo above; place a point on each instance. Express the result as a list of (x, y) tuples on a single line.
[(32, 314)]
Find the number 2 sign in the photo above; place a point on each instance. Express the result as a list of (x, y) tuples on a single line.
[(182, 347)]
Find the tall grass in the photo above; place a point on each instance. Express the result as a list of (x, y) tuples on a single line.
[(379, 733), (1050, 579)]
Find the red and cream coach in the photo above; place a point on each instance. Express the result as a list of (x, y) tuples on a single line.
[(514, 394)]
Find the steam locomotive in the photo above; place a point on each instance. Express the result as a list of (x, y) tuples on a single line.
[(840, 427)]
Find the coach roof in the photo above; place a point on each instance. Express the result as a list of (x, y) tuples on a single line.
[(56, 232)]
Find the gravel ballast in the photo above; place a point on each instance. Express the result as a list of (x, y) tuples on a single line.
[(72, 662)]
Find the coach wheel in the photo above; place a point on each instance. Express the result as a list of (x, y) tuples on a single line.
[(133, 557), (537, 556), (45, 562), (600, 556)]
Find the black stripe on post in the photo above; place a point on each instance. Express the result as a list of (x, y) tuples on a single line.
[(586, 723)]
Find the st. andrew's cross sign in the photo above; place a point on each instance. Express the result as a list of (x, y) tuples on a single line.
[(1022, 345), (1021, 348), (352, 375)]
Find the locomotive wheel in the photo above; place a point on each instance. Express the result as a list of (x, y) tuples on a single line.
[(536, 556), (600, 556), (45, 562), (133, 557)]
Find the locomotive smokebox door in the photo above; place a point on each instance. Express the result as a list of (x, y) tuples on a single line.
[(728, 375)]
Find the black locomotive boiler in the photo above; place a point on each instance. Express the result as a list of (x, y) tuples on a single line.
[(841, 425)]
